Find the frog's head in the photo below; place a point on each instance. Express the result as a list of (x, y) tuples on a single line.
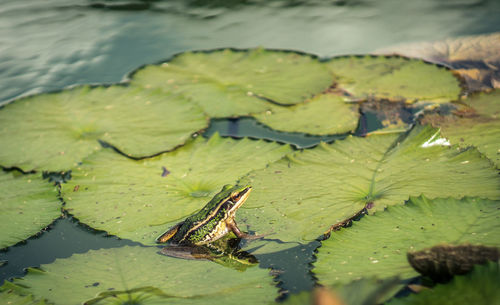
[(233, 197), (237, 195)]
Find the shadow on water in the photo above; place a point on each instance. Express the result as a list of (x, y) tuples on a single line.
[(65, 237), (291, 268)]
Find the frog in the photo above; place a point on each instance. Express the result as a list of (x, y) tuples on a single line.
[(212, 222)]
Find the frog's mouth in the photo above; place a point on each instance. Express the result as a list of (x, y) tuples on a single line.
[(240, 198)]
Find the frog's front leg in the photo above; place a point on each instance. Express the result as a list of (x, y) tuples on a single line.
[(232, 226)]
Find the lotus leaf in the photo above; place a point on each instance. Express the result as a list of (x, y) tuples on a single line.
[(11, 298), (138, 275), (55, 131), (481, 286), (322, 115), (139, 200), (227, 83), (394, 78), (28, 205), (377, 245), (481, 130), (298, 198), (475, 58)]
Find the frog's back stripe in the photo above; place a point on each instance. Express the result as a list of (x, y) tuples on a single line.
[(207, 219)]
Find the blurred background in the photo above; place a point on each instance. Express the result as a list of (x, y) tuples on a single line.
[(47, 45)]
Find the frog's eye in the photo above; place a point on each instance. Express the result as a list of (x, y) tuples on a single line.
[(235, 196)]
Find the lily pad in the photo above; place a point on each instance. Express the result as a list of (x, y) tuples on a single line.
[(322, 115), (475, 58), (57, 130), (481, 286), (300, 197), (481, 129), (11, 298), (376, 246), (28, 205), (227, 83), (139, 200), (137, 275), (395, 78)]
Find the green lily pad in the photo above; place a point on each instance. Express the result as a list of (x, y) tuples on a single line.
[(11, 298), (57, 130), (298, 198), (228, 83), (481, 286), (322, 115), (394, 78), (376, 246), (28, 205), (139, 200), (137, 275), (481, 130)]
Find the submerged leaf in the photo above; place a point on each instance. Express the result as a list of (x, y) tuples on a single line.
[(137, 275), (394, 78), (481, 129), (55, 131), (481, 286), (300, 197), (27, 204), (322, 115), (136, 200), (376, 246), (228, 83)]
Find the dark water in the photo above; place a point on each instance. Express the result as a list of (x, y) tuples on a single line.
[(47, 45)]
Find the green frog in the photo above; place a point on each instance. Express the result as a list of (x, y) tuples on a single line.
[(212, 222)]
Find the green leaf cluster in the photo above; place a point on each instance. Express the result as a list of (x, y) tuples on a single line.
[(159, 173)]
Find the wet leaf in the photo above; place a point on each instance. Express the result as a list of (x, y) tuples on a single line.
[(137, 275), (135, 200), (394, 78), (376, 246), (324, 114), (227, 83), (298, 198), (27, 204), (481, 129), (481, 286), (57, 130)]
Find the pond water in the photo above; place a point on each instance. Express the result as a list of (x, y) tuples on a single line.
[(53, 44)]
